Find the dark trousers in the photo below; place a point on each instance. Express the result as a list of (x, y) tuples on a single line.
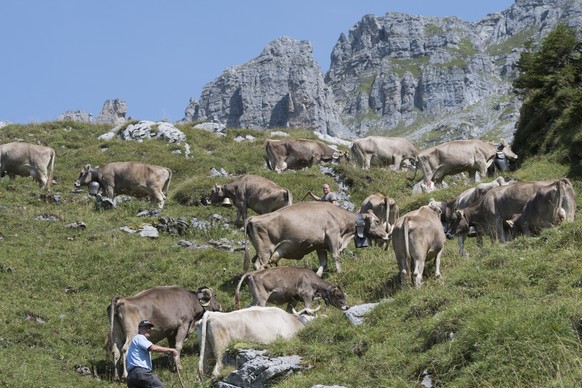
[(143, 378)]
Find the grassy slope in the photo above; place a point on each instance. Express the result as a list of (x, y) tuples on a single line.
[(505, 315)]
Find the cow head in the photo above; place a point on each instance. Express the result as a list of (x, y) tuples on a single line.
[(340, 157), (87, 175), (207, 299), (217, 196), (374, 228), (335, 296), (459, 225), (506, 149)]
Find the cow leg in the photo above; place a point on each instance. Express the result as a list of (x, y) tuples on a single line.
[(177, 342), (109, 192), (367, 161), (461, 241), (322, 255), (116, 357), (397, 162), (437, 263), (500, 231), (472, 176), (404, 265), (123, 357), (418, 270), (158, 197)]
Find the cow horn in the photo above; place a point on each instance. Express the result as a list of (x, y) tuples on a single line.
[(306, 311), (204, 296)]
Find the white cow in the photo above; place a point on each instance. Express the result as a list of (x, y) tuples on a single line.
[(254, 324)]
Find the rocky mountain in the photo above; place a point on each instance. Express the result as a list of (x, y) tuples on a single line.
[(427, 78)]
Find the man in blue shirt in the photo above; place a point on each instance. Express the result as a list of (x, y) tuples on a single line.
[(138, 359)]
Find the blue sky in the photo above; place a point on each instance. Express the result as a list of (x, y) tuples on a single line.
[(60, 55)]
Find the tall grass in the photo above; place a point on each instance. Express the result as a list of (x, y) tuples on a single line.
[(504, 315)]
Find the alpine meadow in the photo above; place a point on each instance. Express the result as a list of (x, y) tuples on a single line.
[(501, 315)]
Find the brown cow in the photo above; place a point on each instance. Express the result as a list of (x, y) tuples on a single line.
[(254, 192), (383, 151), (384, 207), (417, 237), (458, 156), (253, 324), (26, 159), (172, 310), (543, 210), (467, 198), (290, 285), (131, 178), (499, 204), (296, 230), (297, 154)]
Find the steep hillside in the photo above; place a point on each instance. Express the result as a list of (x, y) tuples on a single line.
[(503, 315)]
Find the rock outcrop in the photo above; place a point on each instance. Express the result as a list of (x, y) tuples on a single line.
[(283, 87), (113, 112)]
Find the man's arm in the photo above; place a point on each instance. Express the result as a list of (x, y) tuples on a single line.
[(313, 195), (163, 349)]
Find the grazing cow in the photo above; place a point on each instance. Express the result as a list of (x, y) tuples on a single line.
[(382, 150), (254, 192), (253, 324), (172, 310), (290, 285), (543, 210), (131, 178), (467, 198), (499, 204), (300, 153), (26, 159), (417, 237), (384, 207), (296, 230), (458, 156)]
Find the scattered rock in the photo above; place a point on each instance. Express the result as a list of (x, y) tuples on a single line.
[(257, 370), (356, 313), (76, 225)]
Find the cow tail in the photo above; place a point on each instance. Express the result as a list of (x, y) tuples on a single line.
[(559, 200), (202, 341), (112, 306), (288, 197), (246, 256), (237, 291), (166, 187), (387, 204), (407, 245), (50, 174), (268, 156)]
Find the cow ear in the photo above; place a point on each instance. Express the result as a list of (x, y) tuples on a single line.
[(87, 167)]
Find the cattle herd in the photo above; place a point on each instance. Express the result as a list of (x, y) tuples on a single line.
[(499, 209)]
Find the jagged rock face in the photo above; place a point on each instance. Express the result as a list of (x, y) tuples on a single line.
[(429, 79), (282, 87), (113, 112), (440, 75)]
